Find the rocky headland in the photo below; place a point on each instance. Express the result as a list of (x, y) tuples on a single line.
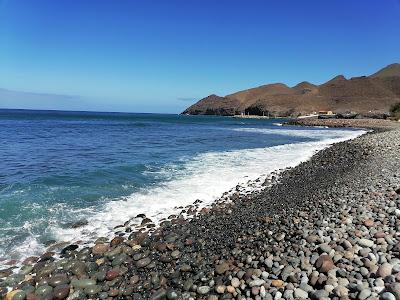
[(364, 96), (326, 229)]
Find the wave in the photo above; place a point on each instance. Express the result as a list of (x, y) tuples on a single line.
[(203, 177), (320, 134)]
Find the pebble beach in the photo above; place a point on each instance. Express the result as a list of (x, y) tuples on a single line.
[(326, 229)]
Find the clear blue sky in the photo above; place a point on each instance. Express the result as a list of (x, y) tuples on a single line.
[(159, 56)]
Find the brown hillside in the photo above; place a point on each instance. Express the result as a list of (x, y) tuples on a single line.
[(215, 105), (305, 88), (389, 71), (262, 92), (363, 95)]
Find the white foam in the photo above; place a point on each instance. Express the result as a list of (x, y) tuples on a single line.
[(317, 134), (206, 177)]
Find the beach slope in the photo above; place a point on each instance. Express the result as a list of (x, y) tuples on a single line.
[(328, 228)]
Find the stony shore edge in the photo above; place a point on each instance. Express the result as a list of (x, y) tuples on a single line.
[(326, 229)]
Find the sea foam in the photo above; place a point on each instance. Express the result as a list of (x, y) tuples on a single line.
[(203, 177)]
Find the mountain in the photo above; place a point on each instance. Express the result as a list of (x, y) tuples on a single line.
[(388, 71), (367, 95)]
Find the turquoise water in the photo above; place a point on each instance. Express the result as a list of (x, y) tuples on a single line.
[(57, 168)]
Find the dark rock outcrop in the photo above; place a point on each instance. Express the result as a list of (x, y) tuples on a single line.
[(214, 105)]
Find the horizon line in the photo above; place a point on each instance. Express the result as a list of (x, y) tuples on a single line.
[(87, 111)]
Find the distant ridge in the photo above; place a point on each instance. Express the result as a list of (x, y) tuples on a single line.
[(366, 95), (388, 71)]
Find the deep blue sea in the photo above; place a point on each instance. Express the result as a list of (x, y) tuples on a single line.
[(57, 168)]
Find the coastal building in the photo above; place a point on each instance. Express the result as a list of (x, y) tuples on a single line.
[(325, 112)]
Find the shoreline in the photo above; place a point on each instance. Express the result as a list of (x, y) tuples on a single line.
[(373, 124), (85, 231), (238, 247)]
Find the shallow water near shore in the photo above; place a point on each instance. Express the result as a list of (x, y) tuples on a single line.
[(58, 168)]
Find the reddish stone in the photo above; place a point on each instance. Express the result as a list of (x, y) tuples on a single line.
[(324, 263), (61, 292), (358, 233), (113, 292), (161, 247), (222, 268), (100, 249), (205, 210), (189, 242), (384, 270), (369, 223), (379, 235), (111, 275), (179, 221), (140, 237), (47, 255), (170, 246), (5, 272), (116, 241)]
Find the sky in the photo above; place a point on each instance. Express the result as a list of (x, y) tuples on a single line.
[(162, 56)]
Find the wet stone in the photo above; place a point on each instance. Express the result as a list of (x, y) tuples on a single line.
[(43, 290), (113, 292), (77, 295), (141, 263), (159, 295), (100, 249), (127, 291), (58, 280), (78, 268), (69, 249), (28, 289), (19, 295), (61, 292), (100, 276), (11, 294), (175, 254), (83, 283), (185, 268), (171, 294), (78, 224), (92, 290), (134, 279), (5, 273), (116, 241), (25, 270), (146, 221), (119, 259), (111, 275)]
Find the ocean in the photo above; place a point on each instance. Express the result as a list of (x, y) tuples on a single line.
[(58, 168)]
